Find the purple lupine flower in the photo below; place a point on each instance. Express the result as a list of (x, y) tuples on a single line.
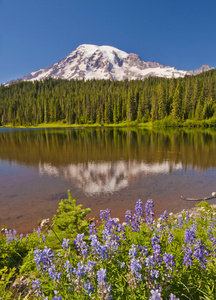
[(98, 251), (111, 242), (169, 261), (43, 238), (113, 227), (44, 260), (88, 287), (180, 221), (142, 253), (81, 273), (92, 228), (188, 256), (211, 228), (133, 251), (111, 230), (103, 287), (68, 268), (81, 270), (154, 261), (135, 267), (15, 235), (65, 244), (155, 295), (135, 226), (187, 216), (173, 297), (56, 297), (212, 223), (149, 211), (164, 217), (155, 240), (81, 245), (209, 233), (200, 253), (128, 217), (101, 275), (53, 274), (105, 214), (139, 212), (131, 221), (162, 221), (38, 231), (138, 217), (144, 250), (36, 285), (11, 236), (213, 240), (190, 234), (90, 267), (170, 238), (150, 263), (134, 275)]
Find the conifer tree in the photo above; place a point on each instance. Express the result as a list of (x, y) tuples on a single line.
[(160, 94), (176, 112)]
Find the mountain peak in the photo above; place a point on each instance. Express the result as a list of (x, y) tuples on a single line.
[(203, 68), (107, 52), (105, 62)]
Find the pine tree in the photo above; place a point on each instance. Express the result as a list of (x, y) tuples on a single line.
[(176, 112), (160, 94)]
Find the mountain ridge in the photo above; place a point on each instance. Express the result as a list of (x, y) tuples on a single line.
[(88, 62)]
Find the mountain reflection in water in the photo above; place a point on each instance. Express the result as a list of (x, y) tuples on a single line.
[(105, 177)]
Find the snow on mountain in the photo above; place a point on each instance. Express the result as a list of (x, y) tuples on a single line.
[(202, 69), (105, 62)]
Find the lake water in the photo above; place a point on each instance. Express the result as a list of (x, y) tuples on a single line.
[(103, 168)]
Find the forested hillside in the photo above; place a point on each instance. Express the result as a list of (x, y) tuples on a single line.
[(103, 101)]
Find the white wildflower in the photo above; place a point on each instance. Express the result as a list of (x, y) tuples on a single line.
[(44, 222)]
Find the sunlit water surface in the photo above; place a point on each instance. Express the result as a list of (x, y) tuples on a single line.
[(103, 168)]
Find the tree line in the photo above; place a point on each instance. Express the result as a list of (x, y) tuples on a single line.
[(105, 102)]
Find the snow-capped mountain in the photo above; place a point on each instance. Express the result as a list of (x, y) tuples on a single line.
[(105, 62)]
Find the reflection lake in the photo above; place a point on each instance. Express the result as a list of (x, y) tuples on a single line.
[(103, 168)]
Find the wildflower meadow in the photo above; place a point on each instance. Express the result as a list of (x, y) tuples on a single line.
[(141, 258)]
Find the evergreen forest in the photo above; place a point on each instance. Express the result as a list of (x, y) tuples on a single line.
[(108, 102)]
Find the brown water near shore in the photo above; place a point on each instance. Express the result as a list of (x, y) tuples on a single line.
[(103, 168)]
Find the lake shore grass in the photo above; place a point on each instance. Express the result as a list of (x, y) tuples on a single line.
[(66, 125), (165, 123)]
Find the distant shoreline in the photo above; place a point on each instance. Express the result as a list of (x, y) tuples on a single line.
[(165, 123)]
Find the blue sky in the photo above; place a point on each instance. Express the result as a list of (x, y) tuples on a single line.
[(35, 34)]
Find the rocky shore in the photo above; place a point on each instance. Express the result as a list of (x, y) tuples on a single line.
[(194, 212)]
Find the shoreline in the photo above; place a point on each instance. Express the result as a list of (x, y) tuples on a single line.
[(95, 125), (194, 212), (165, 123)]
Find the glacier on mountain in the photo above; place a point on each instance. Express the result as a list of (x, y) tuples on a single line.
[(88, 62)]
